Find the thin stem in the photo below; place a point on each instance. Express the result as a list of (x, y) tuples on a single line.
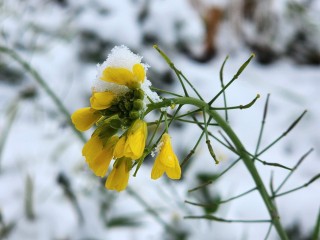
[(298, 188), (171, 65), (177, 72), (316, 231), (189, 83), (265, 111), (155, 130), (239, 106), (164, 91), (256, 157), (187, 158), (293, 170), (166, 121), (233, 79), (210, 148), (268, 232), (12, 113), (218, 219), (240, 150), (215, 178), (200, 186), (222, 86), (238, 196), (183, 120), (211, 135), (273, 164), (227, 141), (284, 133), (223, 201)]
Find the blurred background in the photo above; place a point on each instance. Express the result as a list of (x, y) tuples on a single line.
[(46, 189)]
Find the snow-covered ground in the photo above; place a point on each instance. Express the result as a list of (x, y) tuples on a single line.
[(63, 44)]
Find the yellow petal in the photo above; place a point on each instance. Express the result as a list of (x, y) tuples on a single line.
[(102, 100), (119, 148), (84, 118), (136, 140), (166, 155), (166, 161), (119, 76), (157, 170), (119, 177), (175, 172), (139, 72), (92, 148), (100, 164)]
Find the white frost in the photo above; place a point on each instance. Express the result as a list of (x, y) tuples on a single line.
[(157, 149), (123, 57)]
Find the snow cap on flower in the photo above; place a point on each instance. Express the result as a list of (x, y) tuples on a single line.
[(120, 57)]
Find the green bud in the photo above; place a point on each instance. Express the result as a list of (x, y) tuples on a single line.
[(122, 107), (129, 95), (114, 108), (126, 122), (128, 105), (139, 94), (138, 104), (134, 115), (115, 123), (106, 113), (135, 85), (121, 114)]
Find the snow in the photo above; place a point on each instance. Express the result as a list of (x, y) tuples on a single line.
[(41, 145)]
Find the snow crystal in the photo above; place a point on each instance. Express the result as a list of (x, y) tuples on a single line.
[(122, 57), (157, 149), (152, 95), (102, 86)]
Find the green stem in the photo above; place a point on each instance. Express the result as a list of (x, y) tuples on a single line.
[(218, 219), (240, 150)]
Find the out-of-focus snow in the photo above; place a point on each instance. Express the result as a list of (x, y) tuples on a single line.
[(41, 146)]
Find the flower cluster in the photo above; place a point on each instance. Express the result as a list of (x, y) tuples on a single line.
[(117, 108)]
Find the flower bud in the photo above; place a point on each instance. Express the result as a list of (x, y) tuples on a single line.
[(138, 104), (115, 123), (134, 115), (128, 105), (138, 94)]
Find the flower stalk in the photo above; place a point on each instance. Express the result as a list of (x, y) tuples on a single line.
[(240, 150)]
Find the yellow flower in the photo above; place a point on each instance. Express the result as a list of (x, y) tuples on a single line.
[(119, 176), (166, 161), (92, 148), (99, 164), (132, 143), (102, 100), (84, 118), (118, 150), (123, 76)]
